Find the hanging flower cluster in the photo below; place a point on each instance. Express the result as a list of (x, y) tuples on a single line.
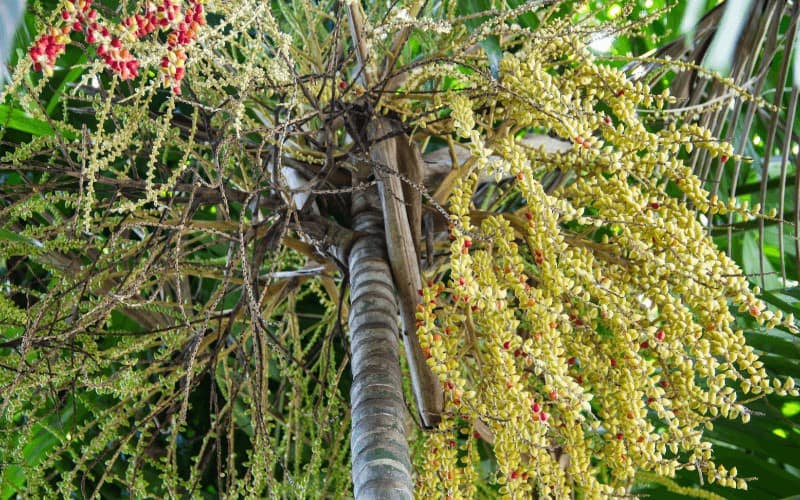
[(594, 323), (113, 41)]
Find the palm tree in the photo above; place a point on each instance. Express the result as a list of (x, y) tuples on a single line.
[(203, 273)]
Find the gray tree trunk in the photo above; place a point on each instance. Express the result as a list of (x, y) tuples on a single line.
[(380, 455)]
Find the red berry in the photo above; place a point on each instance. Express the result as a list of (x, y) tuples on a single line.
[(543, 416), (645, 344), (467, 243), (613, 362), (620, 436), (536, 408), (133, 66), (723, 158), (506, 344), (660, 335), (342, 84), (52, 51), (571, 361), (620, 92)]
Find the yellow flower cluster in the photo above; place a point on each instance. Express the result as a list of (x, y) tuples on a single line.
[(593, 323)]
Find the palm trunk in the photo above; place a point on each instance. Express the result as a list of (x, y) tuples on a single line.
[(380, 455)]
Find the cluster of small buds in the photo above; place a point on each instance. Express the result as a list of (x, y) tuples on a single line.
[(169, 15), (601, 309), (450, 451)]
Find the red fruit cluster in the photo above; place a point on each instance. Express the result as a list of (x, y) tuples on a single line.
[(110, 48), (538, 413), (582, 142), (47, 48), (167, 15)]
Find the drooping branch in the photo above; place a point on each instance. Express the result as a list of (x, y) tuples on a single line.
[(388, 151)]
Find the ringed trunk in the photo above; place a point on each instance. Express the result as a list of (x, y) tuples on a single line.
[(380, 455)]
